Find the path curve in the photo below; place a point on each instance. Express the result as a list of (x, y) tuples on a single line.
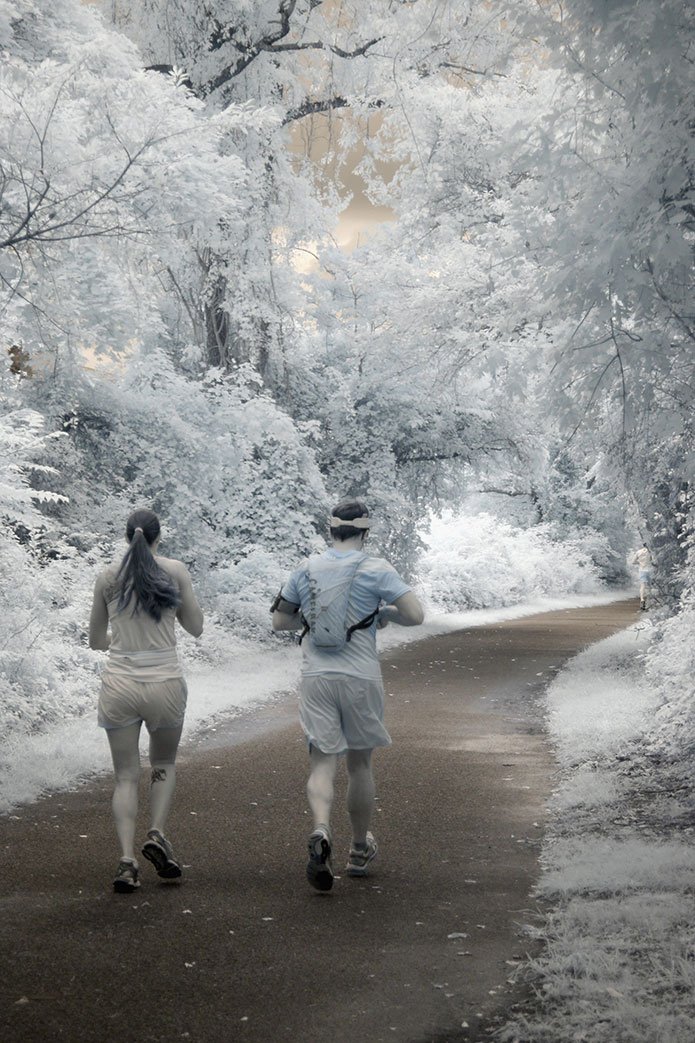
[(244, 949)]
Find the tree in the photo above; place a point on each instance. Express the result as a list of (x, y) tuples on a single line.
[(614, 255), (106, 170)]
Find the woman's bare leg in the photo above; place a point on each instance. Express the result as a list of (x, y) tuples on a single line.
[(164, 744), (125, 753)]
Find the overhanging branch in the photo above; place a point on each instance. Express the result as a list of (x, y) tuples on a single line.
[(310, 108), (271, 43)]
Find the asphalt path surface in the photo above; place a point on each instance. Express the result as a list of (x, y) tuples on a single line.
[(423, 949)]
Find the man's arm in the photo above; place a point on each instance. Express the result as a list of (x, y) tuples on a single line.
[(406, 611), (286, 616)]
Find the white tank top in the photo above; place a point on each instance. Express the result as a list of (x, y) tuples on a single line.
[(141, 647)]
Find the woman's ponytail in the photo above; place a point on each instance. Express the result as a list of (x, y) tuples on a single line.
[(139, 575)]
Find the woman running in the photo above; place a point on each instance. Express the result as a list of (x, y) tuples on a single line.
[(143, 681)]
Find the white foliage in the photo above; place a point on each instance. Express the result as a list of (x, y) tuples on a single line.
[(106, 169), (45, 670), (479, 561)]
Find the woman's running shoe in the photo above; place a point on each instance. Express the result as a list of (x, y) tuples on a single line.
[(360, 857), (126, 878), (161, 854), (318, 871)]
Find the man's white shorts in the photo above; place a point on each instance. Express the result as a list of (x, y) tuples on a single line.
[(339, 712)]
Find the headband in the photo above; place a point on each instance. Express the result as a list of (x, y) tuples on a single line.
[(356, 523)]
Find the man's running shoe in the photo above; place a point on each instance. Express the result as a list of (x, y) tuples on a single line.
[(318, 870), (126, 878), (360, 857), (161, 854)]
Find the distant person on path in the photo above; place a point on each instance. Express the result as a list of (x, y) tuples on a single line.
[(140, 600), (336, 596), (643, 559)]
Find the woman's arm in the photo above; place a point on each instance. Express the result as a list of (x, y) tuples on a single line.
[(99, 639), (189, 612)]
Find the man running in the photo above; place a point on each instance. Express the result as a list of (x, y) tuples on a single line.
[(341, 700), (643, 559)]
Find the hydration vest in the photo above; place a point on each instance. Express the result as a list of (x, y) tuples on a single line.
[(330, 584)]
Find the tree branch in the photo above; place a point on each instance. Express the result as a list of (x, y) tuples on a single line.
[(504, 492), (473, 72), (42, 234), (318, 45), (271, 44), (669, 305), (310, 108)]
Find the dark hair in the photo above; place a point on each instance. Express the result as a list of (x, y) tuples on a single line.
[(139, 574), (348, 509)]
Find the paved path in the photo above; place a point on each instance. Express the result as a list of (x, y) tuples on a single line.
[(244, 949)]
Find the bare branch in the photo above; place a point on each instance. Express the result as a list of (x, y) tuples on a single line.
[(45, 233), (271, 43), (504, 492), (594, 392), (318, 45), (672, 311), (474, 72), (622, 377), (310, 108), (577, 60)]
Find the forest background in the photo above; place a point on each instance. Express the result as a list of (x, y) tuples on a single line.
[(255, 257)]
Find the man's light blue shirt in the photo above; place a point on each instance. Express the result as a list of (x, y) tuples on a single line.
[(375, 582)]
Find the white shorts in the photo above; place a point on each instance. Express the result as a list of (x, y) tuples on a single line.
[(339, 712), (124, 701)]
